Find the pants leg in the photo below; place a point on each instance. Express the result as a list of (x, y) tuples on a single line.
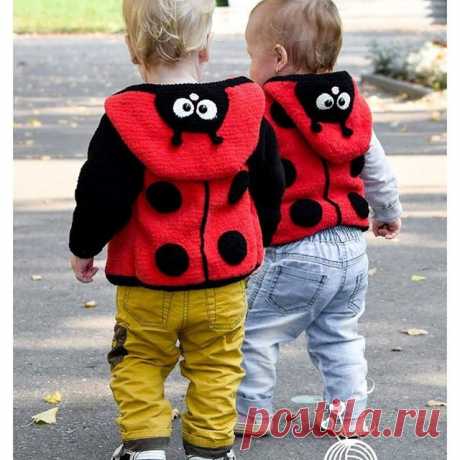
[(283, 296), (211, 345), (144, 353), (334, 343)]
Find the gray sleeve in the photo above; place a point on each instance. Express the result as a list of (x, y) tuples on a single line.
[(381, 186)]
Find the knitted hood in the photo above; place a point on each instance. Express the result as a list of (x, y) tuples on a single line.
[(200, 131), (328, 111)]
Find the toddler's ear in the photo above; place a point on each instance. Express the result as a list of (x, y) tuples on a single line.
[(203, 56), (282, 59)]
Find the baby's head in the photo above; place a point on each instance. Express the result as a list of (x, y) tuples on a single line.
[(167, 32), (293, 36)]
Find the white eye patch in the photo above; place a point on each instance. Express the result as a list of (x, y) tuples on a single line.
[(207, 109), (325, 102), (343, 101), (183, 107)]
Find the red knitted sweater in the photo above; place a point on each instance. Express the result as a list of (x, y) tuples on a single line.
[(323, 126), (193, 224)]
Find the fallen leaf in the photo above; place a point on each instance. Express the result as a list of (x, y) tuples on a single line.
[(418, 278), (35, 123), (53, 398), (46, 418), (415, 332), (37, 277), (434, 403), (373, 271), (91, 304)]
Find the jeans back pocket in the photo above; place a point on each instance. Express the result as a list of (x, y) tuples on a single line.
[(295, 288), (357, 300)]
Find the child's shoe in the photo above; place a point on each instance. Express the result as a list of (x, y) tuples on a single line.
[(344, 429), (123, 454), (230, 455)]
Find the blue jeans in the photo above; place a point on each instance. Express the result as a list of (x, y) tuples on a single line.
[(317, 285)]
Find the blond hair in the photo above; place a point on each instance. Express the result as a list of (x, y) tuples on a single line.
[(165, 31), (310, 30)]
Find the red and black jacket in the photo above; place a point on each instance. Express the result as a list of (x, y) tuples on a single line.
[(323, 128), (184, 182)]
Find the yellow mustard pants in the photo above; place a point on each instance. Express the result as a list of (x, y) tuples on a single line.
[(209, 326)]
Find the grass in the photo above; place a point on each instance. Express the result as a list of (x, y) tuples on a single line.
[(64, 16)]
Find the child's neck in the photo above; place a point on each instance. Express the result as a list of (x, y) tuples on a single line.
[(186, 71)]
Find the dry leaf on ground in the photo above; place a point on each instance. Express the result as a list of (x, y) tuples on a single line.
[(415, 332), (435, 403), (418, 278), (435, 138), (46, 418), (35, 123), (91, 304), (37, 277), (53, 398)]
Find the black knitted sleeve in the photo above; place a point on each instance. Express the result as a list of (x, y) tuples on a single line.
[(109, 182), (267, 181)]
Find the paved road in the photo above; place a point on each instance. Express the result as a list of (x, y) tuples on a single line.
[(61, 83), (59, 345)]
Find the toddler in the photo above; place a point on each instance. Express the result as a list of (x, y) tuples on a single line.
[(315, 275), (184, 183)]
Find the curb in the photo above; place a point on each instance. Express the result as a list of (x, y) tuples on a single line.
[(413, 90)]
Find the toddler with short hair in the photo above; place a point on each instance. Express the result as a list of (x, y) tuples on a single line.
[(185, 184), (315, 275)]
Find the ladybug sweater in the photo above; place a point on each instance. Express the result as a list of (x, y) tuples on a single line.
[(324, 128), (184, 182)]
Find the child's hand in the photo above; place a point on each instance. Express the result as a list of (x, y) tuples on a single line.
[(83, 268), (388, 231)]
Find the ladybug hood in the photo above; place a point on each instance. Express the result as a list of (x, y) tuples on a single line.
[(326, 109), (192, 132)]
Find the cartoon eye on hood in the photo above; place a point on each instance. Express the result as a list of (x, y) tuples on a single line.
[(183, 107), (344, 101), (207, 109), (195, 111), (325, 102)]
